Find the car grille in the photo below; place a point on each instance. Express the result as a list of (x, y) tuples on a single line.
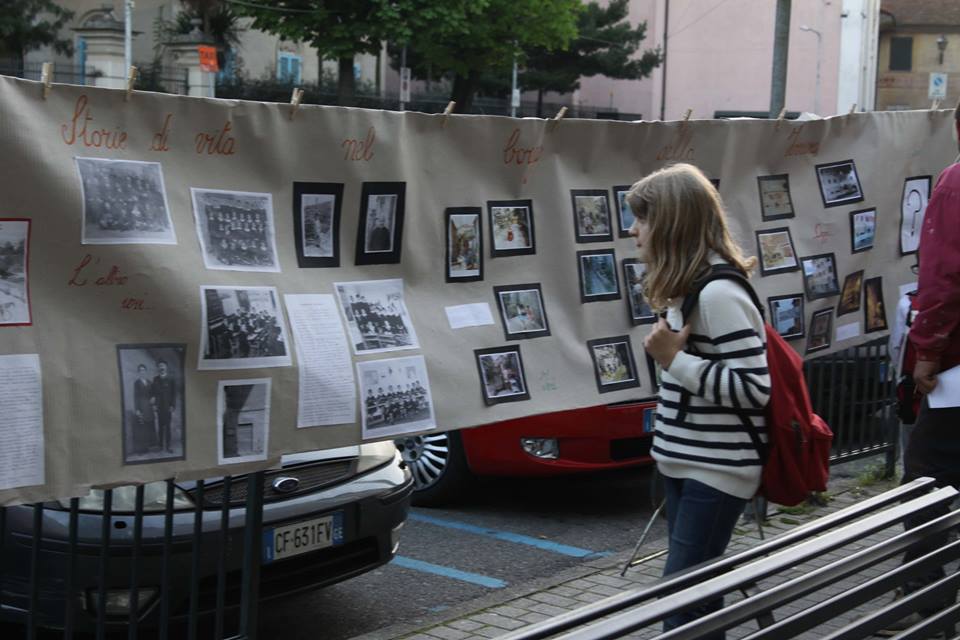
[(311, 476), (629, 448)]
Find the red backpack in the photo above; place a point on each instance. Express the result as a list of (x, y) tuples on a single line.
[(796, 458)]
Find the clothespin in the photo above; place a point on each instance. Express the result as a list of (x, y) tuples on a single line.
[(936, 104), (781, 118), (46, 76), (295, 100), (853, 109), (446, 112), (686, 116), (132, 74), (557, 118)]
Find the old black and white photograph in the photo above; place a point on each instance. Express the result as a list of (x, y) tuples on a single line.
[(243, 328), (243, 420), (396, 397), (377, 317), (777, 254), (502, 378), (511, 228), (863, 229), (821, 326), (591, 215), (614, 367), (786, 315), (522, 311), (380, 233), (236, 230), (624, 212), (316, 213), (839, 183), (637, 305), (775, 200), (15, 272), (820, 278), (598, 275), (464, 244), (913, 206), (124, 202), (154, 414)]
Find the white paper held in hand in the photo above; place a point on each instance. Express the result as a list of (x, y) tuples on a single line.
[(947, 391)]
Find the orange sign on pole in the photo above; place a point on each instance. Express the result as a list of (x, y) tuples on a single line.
[(208, 58)]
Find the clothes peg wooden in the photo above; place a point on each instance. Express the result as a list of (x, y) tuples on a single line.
[(446, 112), (132, 74), (46, 77), (295, 99)]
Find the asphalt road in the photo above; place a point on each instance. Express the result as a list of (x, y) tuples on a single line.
[(508, 533)]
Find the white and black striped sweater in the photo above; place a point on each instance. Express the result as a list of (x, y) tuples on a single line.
[(722, 372)]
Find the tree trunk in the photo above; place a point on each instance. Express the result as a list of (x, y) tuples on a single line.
[(346, 87), (464, 88), (539, 103)]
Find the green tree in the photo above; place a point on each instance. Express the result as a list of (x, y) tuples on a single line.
[(26, 25), (605, 45)]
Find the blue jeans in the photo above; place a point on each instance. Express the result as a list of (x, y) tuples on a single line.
[(700, 521)]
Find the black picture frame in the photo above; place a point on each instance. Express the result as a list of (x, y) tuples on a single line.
[(818, 338), (625, 216), (807, 285), (523, 394), (854, 248), (850, 300), (761, 181), (766, 270), (797, 330), (448, 216), (301, 189), (511, 251), (633, 378), (904, 201), (653, 369), (636, 309), (540, 326), (874, 321), (838, 199), (584, 259), (580, 231), (390, 254)]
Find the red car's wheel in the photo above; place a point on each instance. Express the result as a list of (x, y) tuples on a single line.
[(438, 465)]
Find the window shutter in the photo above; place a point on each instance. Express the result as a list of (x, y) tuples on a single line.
[(901, 54)]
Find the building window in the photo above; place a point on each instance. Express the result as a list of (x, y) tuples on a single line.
[(901, 54), (288, 67)]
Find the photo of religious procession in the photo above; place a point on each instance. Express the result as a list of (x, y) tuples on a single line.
[(14, 272), (637, 305), (396, 397), (598, 275), (913, 207), (316, 224), (821, 324), (522, 312), (875, 310), (501, 375), (776, 251), (863, 229), (775, 200), (851, 293), (152, 392), (242, 328), (464, 245), (124, 202), (613, 363), (839, 183), (243, 419), (511, 228), (786, 315), (624, 212), (235, 230), (591, 215), (820, 276), (377, 317)]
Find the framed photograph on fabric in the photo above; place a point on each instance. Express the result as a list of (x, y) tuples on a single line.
[(863, 229), (15, 308), (624, 212), (396, 397), (380, 232), (376, 315), (820, 276), (775, 200), (839, 183), (786, 315), (913, 206), (511, 228), (851, 293), (242, 328), (614, 367), (637, 305), (874, 309), (522, 311), (236, 230), (821, 327), (316, 223), (464, 228), (591, 215), (502, 378), (243, 420), (598, 275), (777, 254)]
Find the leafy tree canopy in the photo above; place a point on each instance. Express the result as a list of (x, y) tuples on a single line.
[(26, 25)]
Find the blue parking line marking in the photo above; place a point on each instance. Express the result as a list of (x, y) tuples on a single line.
[(506, 536), (447, 572)]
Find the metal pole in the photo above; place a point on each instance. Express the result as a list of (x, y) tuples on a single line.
[(403, 65), (663, 73), (781, 43), (513, 88), (127, 34)]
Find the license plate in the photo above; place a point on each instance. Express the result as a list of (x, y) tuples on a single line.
[(302, 537)]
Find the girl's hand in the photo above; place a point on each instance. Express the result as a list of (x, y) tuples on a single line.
[(663, 344)]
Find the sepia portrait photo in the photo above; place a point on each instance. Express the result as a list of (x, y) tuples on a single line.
[(522, 311), (152, 392), (863, 229), (913, 206), (511, 228), (851, 293), (624, 212), (821, 325), (874, 309), (637, 305), (613, 365), (501, 375), (242, 328), (124, 202), (777, 254), (775, 200), (786, 315), (396, 397), (316, 213), (820, 276), (380, 233), (598, 275), (243, 420), (839, 183), (377, 317), (464, 244), (15, 272), (235, 229), (591, 215)]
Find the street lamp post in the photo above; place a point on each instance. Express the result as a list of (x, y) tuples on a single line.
[(816, 95)]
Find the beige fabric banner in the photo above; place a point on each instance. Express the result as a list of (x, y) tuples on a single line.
[(167, 228)]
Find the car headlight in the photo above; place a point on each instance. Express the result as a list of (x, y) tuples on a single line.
[(374, 454), (125, 499)]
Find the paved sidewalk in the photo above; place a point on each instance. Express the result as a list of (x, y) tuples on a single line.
[(497, 614)]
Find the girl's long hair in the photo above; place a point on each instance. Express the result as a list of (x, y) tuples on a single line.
[(686, 221)]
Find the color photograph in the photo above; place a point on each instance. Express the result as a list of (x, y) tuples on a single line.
[(511, 228), (464, 244), (522, 311), (863, 229), (502, 378), (786, 315), (624, 212), (851, 293), (777, 254), (775, 200), (613, 365), (591, 215), (637, 305), (839, 183), (874, 309), (598, 275), (820, 276), (821, 325)]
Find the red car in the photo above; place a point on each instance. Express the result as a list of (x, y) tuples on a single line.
[(591, 439)]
